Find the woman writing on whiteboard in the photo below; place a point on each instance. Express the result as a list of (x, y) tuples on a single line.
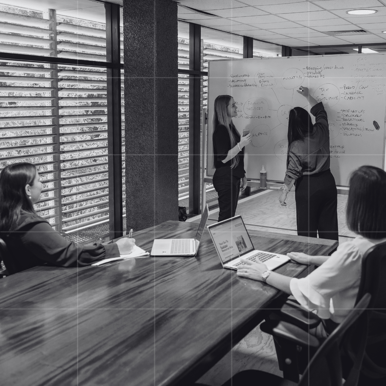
[(308, 168), (228, 152)]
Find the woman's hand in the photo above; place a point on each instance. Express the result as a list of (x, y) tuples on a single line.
[(252, 270), (283, 197), (125, 245), (246, 140), (243, 183), (300, 257), (304, 91)]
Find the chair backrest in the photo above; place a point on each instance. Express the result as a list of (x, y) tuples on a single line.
[(373, 281), (373, 276), (5, 256), (325, 368)]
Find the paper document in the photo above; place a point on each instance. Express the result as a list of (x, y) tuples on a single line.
[(136, 252)]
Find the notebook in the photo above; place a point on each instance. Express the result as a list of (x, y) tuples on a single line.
[(232, 242), (181, 247), (137, 252)]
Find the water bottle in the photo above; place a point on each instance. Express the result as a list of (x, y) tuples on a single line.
[(263, 178)]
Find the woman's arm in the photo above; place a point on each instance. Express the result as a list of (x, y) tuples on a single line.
[(306, 93), (303, 258), (48, 245), (244, 141), (254, 271)]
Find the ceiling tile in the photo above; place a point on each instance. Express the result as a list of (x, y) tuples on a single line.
[(283, 24), (347, 4), (363, 39), (373, 27), (318, 15), (207, 5), (258, 3), (218, 22), (184, 11), (328, 40), (298, 32), (259, 19), (304, 6), (290, 42), (239, 27), (196, 16), (264, 34), (236, 12), (323, 23)]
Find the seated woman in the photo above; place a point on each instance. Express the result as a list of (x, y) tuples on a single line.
[(30, 239), (330, 291)]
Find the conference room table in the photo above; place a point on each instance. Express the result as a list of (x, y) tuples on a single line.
[(143, 321)]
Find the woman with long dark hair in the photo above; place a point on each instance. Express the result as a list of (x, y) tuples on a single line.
[(228, 152), (308, 168), (30, 239), (331, 290)]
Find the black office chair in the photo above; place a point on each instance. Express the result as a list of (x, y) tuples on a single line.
[(293, 353), (325, 368), (5, 258)]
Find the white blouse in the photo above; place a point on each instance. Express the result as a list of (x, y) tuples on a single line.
[(331, 290)]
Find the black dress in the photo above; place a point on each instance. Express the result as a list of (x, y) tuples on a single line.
[(226, 180)]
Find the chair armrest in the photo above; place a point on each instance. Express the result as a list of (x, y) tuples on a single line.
[(290, 333), (294, 313)]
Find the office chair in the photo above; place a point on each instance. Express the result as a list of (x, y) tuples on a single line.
[(293, 353), (325, 368), (5, 257)]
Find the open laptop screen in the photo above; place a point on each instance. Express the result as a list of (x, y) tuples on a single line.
[(204, 219), (231, 238)]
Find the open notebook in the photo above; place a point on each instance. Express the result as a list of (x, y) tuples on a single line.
[(137, 252)]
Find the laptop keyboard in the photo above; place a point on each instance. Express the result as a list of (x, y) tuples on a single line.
[(180, 246), (261, 256)]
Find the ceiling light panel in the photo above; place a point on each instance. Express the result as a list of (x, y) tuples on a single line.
[(237, 12), (347, 4), (380, 15), (304, 6)]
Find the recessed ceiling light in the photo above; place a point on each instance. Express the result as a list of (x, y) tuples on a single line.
[(362, 12), (384, 32), (367, 51)]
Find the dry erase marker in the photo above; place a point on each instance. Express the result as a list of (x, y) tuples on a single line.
[(376, 125)]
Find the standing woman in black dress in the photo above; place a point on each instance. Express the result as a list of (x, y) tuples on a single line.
[(228, 151), (308, 167)]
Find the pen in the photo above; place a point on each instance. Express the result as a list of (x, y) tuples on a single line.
[(131, 233)]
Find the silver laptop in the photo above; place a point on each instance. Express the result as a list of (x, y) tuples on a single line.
[(232, 242), (181, 247)]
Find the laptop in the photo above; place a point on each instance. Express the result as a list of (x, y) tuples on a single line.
[(181, 247), (232, 242)]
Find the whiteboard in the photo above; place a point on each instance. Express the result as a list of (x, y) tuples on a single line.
[(351, 87)]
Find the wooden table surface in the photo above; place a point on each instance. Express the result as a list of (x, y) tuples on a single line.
[(148, 321)]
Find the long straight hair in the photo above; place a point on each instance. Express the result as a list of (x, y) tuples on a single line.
[(299, 126), (13, 197), (220, 117), (366, 204)]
